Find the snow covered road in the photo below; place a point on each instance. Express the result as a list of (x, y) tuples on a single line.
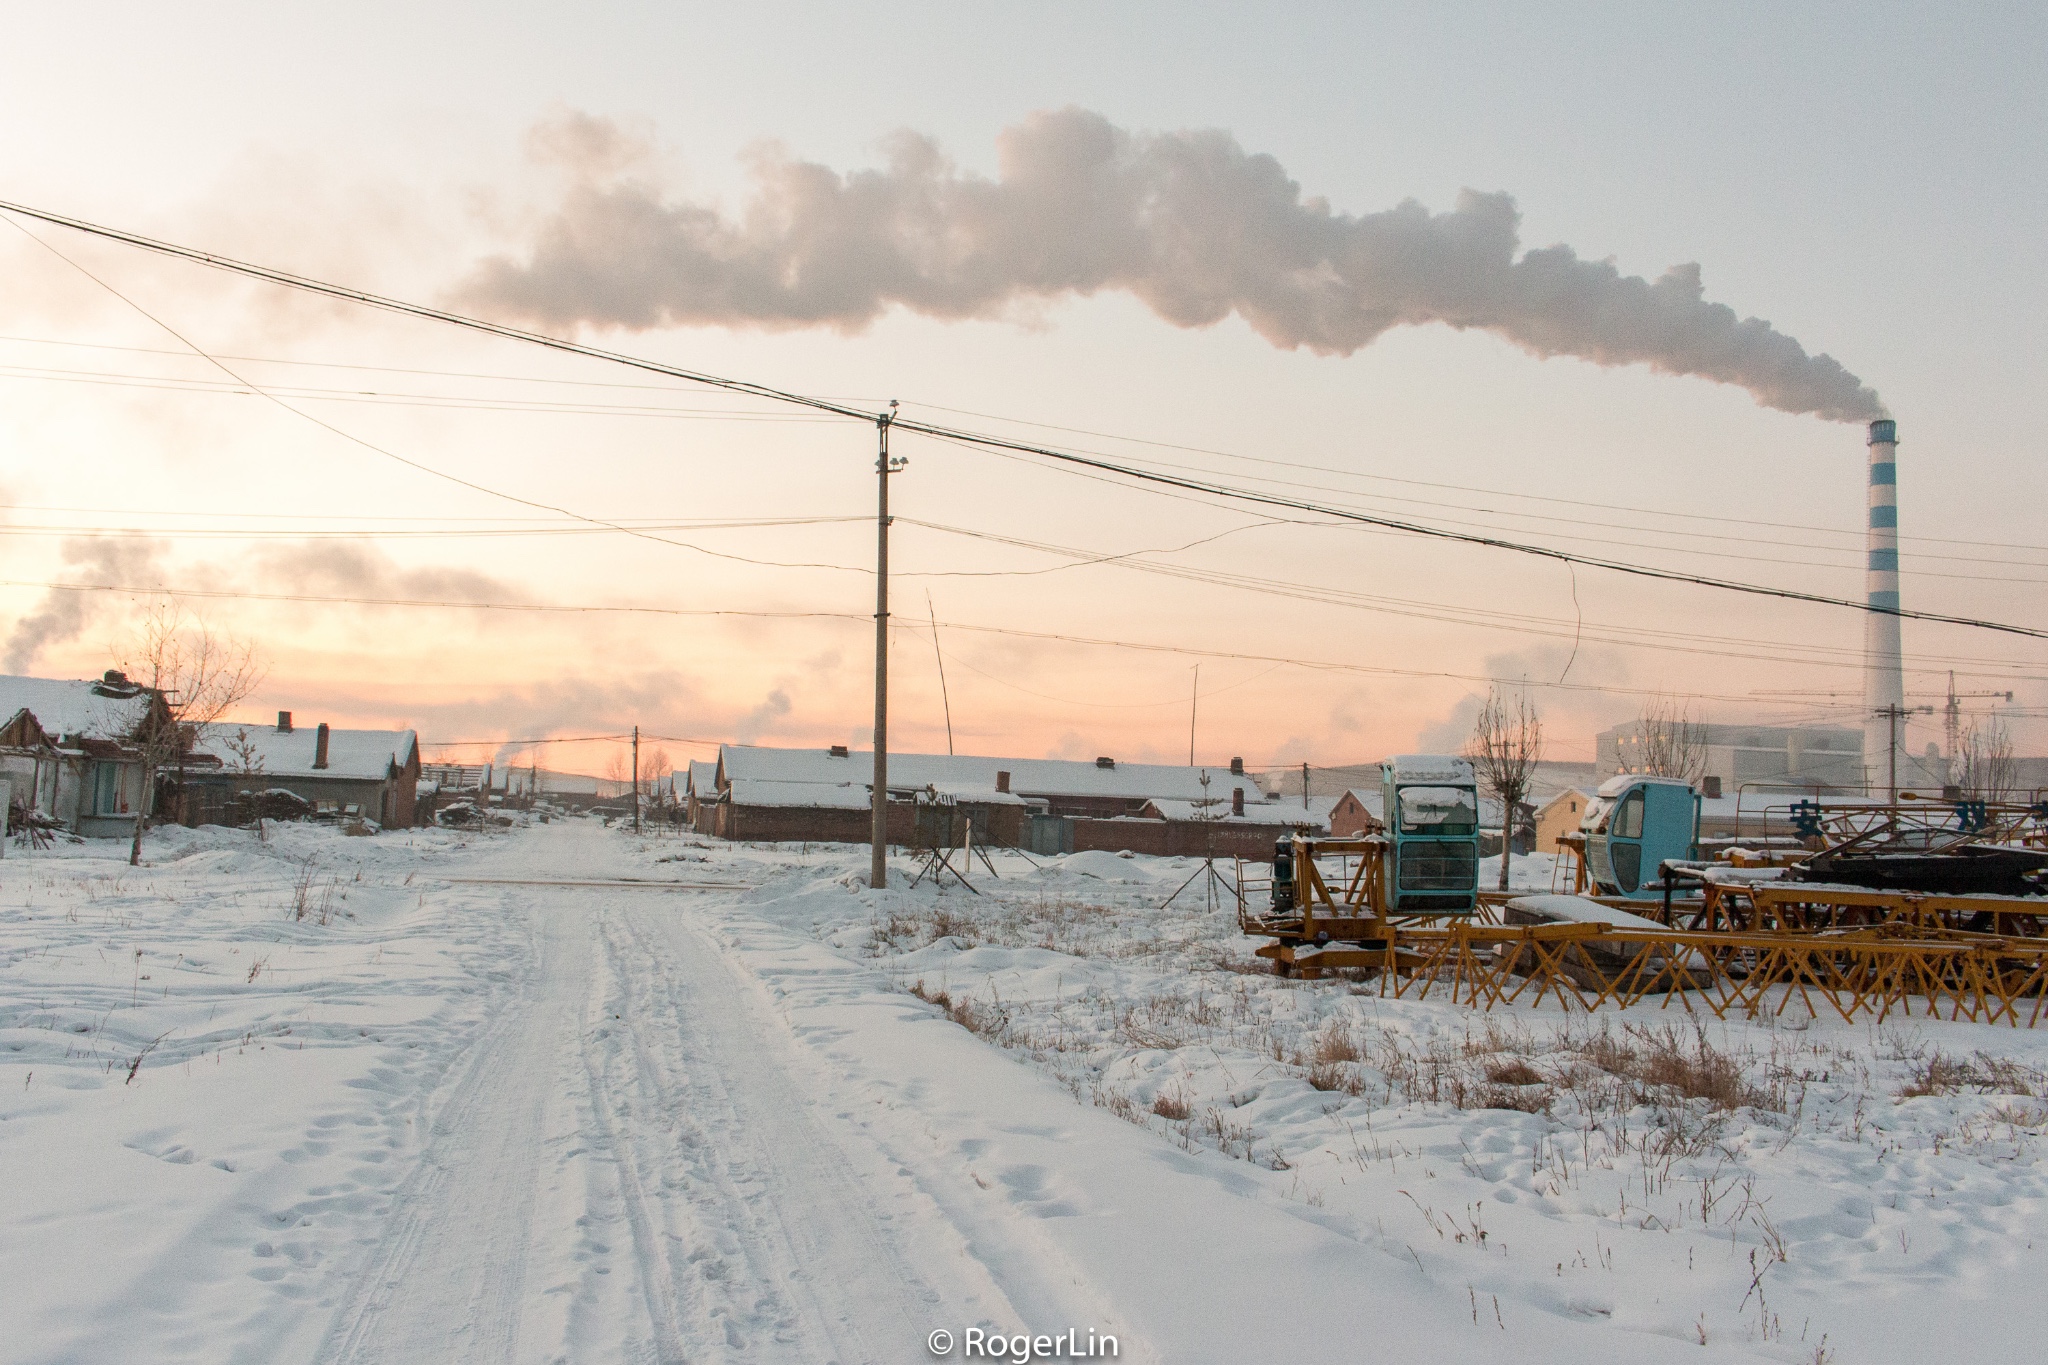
[(627, 1129)]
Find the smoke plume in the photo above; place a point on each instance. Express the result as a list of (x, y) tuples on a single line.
[(62, 616), (1189, 222)]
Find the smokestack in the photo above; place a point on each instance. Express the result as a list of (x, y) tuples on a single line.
[(1884, 684), (284, 722), (320, 746)]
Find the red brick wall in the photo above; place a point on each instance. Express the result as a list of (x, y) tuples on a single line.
[(1177, 838), (807, 824), (1100, 807)]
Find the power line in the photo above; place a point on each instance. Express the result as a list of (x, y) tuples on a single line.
[(1189, 651), (1854, 534), (934, 430)]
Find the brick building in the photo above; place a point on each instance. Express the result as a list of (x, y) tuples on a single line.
[(1050, 805)]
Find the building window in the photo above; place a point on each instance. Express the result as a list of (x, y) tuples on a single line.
[(106, 789)]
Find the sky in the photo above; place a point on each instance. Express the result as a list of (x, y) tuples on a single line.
[(697, 184)]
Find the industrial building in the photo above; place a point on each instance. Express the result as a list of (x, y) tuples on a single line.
[(1739, 756)]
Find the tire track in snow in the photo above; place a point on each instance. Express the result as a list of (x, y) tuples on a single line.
[(792, 1253), (447, 1279)]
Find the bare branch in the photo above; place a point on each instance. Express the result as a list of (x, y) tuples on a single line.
[(1506, 744), (1667, 742)]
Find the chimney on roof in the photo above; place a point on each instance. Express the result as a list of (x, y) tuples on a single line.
[(114, 675), (1237, 767), (284, 722), (320, 746), (839, 751), (1003, 781), (1237, 800), (1105, 763)]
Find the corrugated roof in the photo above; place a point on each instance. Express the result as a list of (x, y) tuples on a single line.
[(1048, 777), (359, 754), (66, 707)]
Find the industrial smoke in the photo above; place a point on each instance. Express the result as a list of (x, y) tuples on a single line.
[(1188, 222)]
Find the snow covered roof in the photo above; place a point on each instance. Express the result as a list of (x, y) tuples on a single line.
[(66, 707), (1278, 814), (358, 754), (1621, 782), (747, 791), (702, 778), (1430, 768), (1568, 792), (949, 773)]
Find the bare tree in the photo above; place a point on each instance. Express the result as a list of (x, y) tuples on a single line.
[(1667, 742), (1506, 743), (1989, 771), (199, 676), (248, 765), (655, 765), (615, 769)]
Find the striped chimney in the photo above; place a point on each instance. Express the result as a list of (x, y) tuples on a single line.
[(1884, 684)]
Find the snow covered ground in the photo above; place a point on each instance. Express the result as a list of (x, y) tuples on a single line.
[(406, 1098)]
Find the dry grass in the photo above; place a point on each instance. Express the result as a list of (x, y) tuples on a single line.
[(1937, 1073), (1665, 1062), (1172, 1108), (1512, 1071), (1335, 1076), (989, 1021)]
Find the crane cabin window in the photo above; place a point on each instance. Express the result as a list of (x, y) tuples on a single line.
[(1628, 818), (1438, 810)]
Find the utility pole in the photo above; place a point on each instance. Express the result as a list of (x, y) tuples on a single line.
[(1304, 786), (1895, 716), (878, 831), (636, 779), (1952, 716)]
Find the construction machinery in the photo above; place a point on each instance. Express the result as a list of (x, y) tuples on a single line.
[(1632, 827), (1421, 866)]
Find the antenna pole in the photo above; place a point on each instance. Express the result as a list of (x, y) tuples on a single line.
[(944, 697)]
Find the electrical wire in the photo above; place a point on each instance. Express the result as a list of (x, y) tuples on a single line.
[(919, 427), (1189, 651), (1855, 534)]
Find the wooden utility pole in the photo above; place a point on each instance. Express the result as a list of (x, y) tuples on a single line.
[(1304, 786), (636, 779), (878, 830), (1894, 716)]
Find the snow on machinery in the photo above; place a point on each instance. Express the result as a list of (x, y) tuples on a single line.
[(1423, 865), (1402, 906)]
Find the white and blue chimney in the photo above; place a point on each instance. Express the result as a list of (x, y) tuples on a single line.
[(1884, 682)]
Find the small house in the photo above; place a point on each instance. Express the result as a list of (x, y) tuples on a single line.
[(373, 774), (1558, 816)]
